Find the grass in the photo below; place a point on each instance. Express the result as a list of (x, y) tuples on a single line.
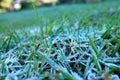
[(73, 42)]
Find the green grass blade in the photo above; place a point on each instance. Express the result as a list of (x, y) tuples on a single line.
[(33, 53), (56, 66), (93, 45), (95, 58), (9, 41), (106, 33), (116, 49)]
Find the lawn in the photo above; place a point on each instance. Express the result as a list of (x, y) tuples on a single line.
[(65, 42)]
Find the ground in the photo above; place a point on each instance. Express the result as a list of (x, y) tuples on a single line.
[(74, 42)]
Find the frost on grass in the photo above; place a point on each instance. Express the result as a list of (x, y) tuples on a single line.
[(68, 49), (62, 56)]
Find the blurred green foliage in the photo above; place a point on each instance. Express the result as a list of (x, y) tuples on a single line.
[(9, 5)]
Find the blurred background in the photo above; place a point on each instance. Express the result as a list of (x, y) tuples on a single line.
[(15, 5)]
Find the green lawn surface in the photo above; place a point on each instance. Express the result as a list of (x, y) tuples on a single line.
[(29, 18), (65, 42)]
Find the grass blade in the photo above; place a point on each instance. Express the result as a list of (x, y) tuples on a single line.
[(93, 45), (95, 58), (56, 66), (116, 49)]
